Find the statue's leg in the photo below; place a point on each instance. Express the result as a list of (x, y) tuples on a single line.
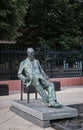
[(41, 91), (52, 96), (51, 92), (49, 86)]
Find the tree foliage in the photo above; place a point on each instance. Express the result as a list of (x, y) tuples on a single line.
[(53, 23), (12, 14)]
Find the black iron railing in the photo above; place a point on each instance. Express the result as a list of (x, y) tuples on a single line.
[(55, 63)]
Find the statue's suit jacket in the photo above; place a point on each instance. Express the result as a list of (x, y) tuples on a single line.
[(27, 69)]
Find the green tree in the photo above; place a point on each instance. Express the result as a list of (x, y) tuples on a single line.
[(12, 14), (53, 23)]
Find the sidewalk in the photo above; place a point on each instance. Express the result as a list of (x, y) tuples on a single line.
[(11, 121)]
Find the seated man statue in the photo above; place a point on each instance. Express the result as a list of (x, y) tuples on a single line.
[(31, 73)]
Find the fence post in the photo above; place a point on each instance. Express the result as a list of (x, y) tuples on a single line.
[(44, 58), (82, 59), (51, 65)]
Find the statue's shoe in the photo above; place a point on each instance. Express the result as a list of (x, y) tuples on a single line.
[(54, 104)]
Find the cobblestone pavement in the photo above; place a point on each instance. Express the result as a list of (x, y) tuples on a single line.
[(73, 123)]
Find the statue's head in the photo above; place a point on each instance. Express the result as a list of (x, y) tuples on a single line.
[(30, 53)]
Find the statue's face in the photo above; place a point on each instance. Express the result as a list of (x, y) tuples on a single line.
[(30, 53)]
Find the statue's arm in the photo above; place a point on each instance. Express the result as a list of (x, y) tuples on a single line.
[(42, 71), (20, 72)]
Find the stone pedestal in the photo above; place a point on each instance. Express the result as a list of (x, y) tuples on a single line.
[(39, 113)]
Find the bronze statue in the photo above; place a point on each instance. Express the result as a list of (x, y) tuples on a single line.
[(31, 73)]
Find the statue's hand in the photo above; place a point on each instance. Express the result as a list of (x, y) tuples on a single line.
[(46, 77), (27, 79)]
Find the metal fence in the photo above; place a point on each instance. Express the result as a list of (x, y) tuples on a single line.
[(55, 63)]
